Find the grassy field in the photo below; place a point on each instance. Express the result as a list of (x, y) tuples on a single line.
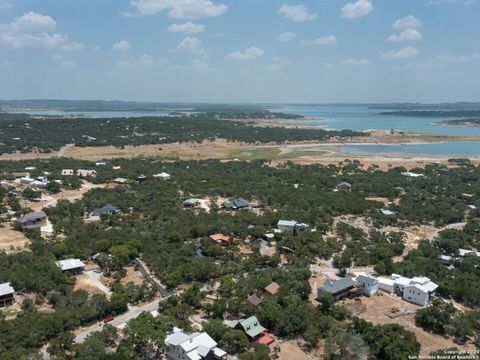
[(272, 153)]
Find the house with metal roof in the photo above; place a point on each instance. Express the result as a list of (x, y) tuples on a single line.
[(191, 202), (236, 204), (272, 288), (162, 175), (339, 289), (86, 173), (344, 187), (33, 220), (68, 172), (6, 294), (195, 346), (108, 209), (369, 284), (73, 266), (255, 332), (254, 300)]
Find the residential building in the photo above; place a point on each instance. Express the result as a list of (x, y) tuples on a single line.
[(236, 204), (369, 284), (195, 346), (106, 210), (386, 285), (291, 226), (339, 289), (254, 300), (120, 180), (86, 173), (190, 203), (272, 288), (417, 290), (162, 175), (68, 172), (33, 220), (73, 266), (6, 294), (255, 332), (220, 238), (344, 187)]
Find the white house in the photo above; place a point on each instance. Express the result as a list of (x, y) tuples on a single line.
[(85, 173), (368, 283), (74, 266), (286, 225), (162, 175), (463, 252), (195, 346), (417, 290), (120, 180), (386, 285), (419, 294), (67, 172)]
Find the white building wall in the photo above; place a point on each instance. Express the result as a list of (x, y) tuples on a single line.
[(415, 296)]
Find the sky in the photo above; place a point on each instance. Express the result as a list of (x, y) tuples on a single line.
[(241, 50)]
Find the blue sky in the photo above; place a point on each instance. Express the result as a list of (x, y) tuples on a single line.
[(241, 51)]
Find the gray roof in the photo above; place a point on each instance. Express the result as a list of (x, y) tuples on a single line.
[(367, 280), (335, 286), (33, 216), (107, 209), (236, 203)]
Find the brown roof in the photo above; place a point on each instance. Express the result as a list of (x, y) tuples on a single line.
[(272, 288), (254, 300), (219, 238)]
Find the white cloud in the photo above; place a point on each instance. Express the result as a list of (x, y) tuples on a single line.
[(355, 62), (404, 53), (191, 45), (187, 28), (327, 40), (31, 30), (250, 54), (277, 64), (66, 64), (406, 35), (407, 22), (4, 4), (357, 9), (73, 46), (122, 45), (287, 36), (178, 9), (144, 60), (297, 13)]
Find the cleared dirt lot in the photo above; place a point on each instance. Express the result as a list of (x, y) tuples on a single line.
[(291, 349), (11, 240), (374, 309)]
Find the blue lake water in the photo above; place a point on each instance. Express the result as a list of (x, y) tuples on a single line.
[(362, 118)]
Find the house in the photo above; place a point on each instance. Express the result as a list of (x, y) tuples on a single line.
[(344, 187), (162, 175), (195, 346), (220, 238), (106, 210), (412, 174), (26, 180), (68, 172), (272, 288), (339, 289), (33, 220), (369, 284), (235, 204), (386, 285), (120, 180), (268, 236), (291, 226), (100, 163), (254, 300), (73, 266), (463, 252), (286, 225), (6, 294), (400, 283), (445, 259), (420, 294), (255, 332), (190, 203), (141, 178), (417, 290), (86, 173), (18, 175), (387, 212)]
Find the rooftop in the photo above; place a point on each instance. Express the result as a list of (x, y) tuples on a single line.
[(335, 286), (69, 264), (6, 289)]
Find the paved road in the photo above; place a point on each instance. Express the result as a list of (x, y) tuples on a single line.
[(119, 321)]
